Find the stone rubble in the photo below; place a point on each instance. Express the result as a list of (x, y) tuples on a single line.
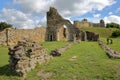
[(111, 53), (59, 51), (26, 55)]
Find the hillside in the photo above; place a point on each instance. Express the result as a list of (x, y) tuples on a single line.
[(104, 32)]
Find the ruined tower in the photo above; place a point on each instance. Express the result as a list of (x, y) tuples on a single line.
[(102, 23), (55, 27)]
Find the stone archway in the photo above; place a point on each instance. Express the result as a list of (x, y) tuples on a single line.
[(60, 27), (62, 33)]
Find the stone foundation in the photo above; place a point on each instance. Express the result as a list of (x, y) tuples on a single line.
[(25, 56), (111, 53), (59, 51)]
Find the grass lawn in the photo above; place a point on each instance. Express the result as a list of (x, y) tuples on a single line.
[(84, 61), (90, 63), (115, 45), (104, 33)]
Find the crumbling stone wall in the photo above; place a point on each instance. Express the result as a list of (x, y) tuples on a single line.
[(60, 51), (89, 36), (111, 53), (54, 23), (12, 36), (26, 55), (85, 23)]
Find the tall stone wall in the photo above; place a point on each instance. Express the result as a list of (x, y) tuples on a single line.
[(12, 36), (55, 23), (85, 23)]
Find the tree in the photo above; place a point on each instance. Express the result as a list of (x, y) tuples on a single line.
[(4, 25), (112, 25)]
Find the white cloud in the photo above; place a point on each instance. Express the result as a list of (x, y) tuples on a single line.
[(38, 6), (112, 18), (67, 8), (96, 15), (110, 13), (17, 18), (80, 7)]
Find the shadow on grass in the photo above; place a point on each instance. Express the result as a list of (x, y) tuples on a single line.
[(5, 70)]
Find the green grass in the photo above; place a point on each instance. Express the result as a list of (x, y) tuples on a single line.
[(6, 74), (3, 56), (91, 64), (116, 43), (104, 33), (52, 45)]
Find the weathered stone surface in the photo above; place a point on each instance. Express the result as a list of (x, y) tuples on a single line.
[(55, 27), (58, 29), (111, 53), (89, 36), (26, 55), (92, 36), (11, 37), (85, 23)]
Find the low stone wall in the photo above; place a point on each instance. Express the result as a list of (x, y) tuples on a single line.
[(25, 56), (89, 36), (111, 53), (12, 36), (92, 36), (59, 51)]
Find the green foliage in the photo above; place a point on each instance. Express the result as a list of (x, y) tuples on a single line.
[(116, 33), (4, 25), (112, 25)]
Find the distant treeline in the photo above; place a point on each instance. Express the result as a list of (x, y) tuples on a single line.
[(112, 25)]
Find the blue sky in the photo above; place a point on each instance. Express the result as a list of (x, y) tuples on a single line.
[(32, 13)]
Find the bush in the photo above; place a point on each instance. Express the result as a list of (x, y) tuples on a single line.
[(116, 33), (112, 25), (4, 25)]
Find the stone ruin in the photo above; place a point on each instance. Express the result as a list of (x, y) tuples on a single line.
[(60, 51), (85, 23), (89, 36), (56, 31), (111, 53), (25, 56)]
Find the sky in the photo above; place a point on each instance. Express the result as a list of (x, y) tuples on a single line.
[(29, 14)]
